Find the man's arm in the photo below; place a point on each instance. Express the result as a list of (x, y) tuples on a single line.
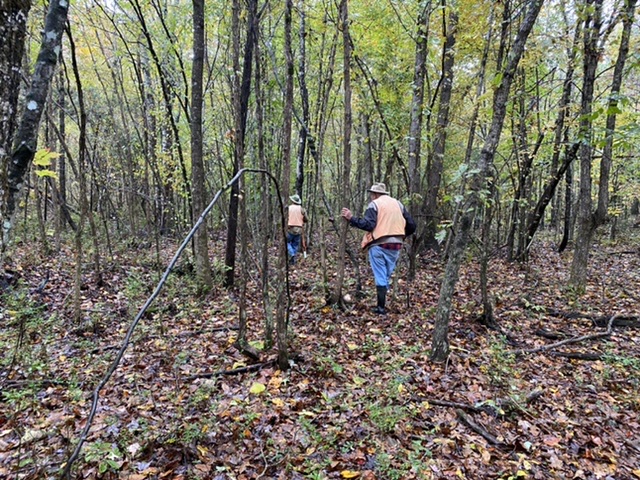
[(368, 222)]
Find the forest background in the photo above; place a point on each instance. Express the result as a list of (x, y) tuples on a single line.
[(155, 144)]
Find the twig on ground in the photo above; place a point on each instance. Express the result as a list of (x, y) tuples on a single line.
[(570, 340)]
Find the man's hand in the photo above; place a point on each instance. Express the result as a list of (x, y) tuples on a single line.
[(346, 214)]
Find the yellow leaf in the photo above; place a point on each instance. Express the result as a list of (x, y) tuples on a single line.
[(203, 450), (352, 346), (278, 402), (275, 382), (257, 388), (62, 358), (349, 474), (326, 310), (637, 472)]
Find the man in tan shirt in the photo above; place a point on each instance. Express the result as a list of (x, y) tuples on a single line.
[(386, 223), (297, 217)]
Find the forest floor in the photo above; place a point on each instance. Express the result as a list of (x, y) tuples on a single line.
[(361, 399)]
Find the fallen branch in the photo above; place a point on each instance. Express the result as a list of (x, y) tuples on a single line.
[(464, 418), (444, 403), (543, 332), (12, 384), (589, 357), (599, 320), (66, 473), (492, 407), (235, 371), (570, 340)]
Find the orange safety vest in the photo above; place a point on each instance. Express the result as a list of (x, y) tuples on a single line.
[(390, 222), (296, 216)]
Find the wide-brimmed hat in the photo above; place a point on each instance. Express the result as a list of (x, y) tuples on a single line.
[(380, 188), (295, 199)]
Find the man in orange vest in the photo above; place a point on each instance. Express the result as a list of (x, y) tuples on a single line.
[(297, 217), (386, 223)]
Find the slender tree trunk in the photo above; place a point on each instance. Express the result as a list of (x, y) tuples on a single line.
[(241, 91), (167, 95), (346, 145), (568, 207), (440, 342), (203, 265), (417, 101), (283, 304), (593, 23), (606, 163), (436, 160), (560, 134), (266, 222), (473, 122), (304, 98)]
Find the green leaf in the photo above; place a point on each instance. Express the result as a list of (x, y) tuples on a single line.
[(44, 157), (257, 388), (46, 173)]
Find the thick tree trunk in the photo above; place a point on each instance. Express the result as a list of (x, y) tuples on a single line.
[(13, 29), (15, 166)]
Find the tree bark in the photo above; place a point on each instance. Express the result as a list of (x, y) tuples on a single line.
[(436, 160), (241, 88), (579, 265), (14, 168), (203, 265), (440, 342), (336, 297)]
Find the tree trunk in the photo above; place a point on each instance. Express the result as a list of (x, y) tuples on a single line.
[(203, 265), (15, 166), (304, 98), (417, 102), (440, 342), (336, 297), (282, 313), (586, 223), (560, 135), (241, 91), (266, 223), (601, 213), (436, 160)]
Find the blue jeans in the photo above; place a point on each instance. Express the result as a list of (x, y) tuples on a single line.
[(383, 263), (293, 243)]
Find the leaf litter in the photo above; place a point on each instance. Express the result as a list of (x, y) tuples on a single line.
[(361, 399)]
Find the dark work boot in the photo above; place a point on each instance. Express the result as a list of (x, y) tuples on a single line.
[(382, 297)]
